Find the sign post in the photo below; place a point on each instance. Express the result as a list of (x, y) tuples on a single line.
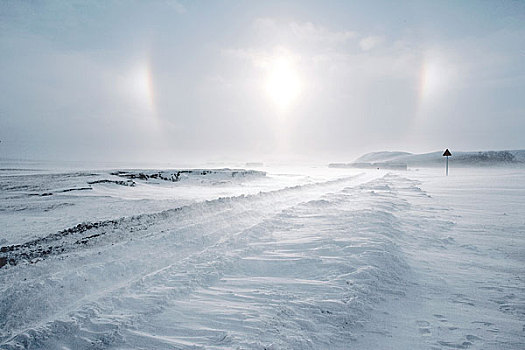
[(447, 154)]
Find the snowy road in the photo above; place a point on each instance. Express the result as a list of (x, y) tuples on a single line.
[(371, 261)]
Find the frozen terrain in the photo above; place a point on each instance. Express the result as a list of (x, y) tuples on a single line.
[(277, 258)]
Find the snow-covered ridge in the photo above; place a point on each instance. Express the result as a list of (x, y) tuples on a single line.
[(48, 184), (189, 174), (399, 160), (129, 183)]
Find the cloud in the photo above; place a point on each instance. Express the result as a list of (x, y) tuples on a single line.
[(319, 34), (302, 33), (369, 42), (177, 6), (260, 58)]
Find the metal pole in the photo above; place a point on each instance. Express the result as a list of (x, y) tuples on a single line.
[(447, 165)]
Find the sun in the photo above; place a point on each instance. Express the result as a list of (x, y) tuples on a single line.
[(283, 84)]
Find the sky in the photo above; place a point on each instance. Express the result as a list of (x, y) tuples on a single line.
[(183, 80)]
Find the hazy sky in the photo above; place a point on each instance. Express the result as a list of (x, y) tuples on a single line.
[(178, 80)]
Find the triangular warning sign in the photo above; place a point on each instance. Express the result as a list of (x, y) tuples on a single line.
[(447, 153)]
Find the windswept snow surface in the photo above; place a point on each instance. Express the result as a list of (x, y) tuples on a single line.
[(309, 258)]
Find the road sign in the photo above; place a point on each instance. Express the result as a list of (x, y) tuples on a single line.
[(447, 154)]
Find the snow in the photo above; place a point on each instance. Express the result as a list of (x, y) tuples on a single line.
[(284, 258)]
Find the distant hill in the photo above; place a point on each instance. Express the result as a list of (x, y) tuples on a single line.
[(391, 160), (381, 156)]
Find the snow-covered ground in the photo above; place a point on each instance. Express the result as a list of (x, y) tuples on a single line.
[(286, 258)]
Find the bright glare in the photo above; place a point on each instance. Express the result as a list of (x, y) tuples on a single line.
[(141, 86), (283, 84), (432, 80), (437, 77)]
